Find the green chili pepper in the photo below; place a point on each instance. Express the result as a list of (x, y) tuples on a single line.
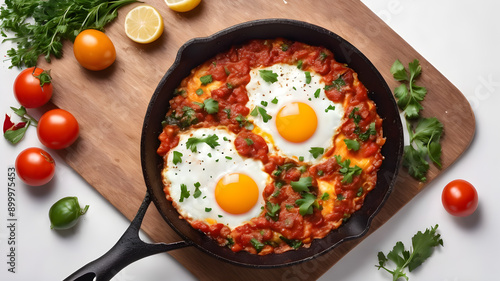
[(64, 213)]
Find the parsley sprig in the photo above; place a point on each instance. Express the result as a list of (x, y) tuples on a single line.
[(425, 136), (15, 132), (40, 27), (422, 248), (210, 140)]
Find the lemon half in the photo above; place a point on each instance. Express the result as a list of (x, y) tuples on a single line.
[(182, 5), (143, 24)]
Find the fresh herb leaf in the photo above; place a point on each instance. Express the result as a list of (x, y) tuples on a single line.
[(316, 151), (274, 101), (263, 103), (273, 211), (337, 84), (268, 75), (228, 112), (316, 94), (370, 132), (208, 210), (257, 244), (409, 95), (302, 185), (294, 243), (199, 92), (263, 112), (206, 79), (299, 64), (347, 171), (323, 56), (414, 160), (307, 203), (330, 107), (325, 196), (423, 245), (184, 193), (211, 106), (197, 191), (352, 144), (14, 133), (308, 77), (40, 27), (177, 157), (249, 141), (210, 140)]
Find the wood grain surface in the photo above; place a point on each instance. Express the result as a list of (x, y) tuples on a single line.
[(110, 107)]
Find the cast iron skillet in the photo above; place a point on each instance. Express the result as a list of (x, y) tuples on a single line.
[(196, 51)]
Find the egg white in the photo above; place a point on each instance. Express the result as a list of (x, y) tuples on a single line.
[(206, 167), (292, 87)]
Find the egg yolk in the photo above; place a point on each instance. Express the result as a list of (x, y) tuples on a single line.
[(296, 122), (236, 193)]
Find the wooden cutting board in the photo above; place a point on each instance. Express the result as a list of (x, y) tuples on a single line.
[(110, 107)]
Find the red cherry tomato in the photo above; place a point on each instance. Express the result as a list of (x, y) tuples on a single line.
[(57, 129), (460, 198), (34, 166), (28, 89), (94, 50)]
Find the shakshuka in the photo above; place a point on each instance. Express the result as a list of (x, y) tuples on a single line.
[(270, 145)]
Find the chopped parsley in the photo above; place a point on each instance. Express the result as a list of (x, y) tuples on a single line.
[(308, 77), (316, 151), (274, 101), (299, 64), (263, 112), (199, 92), (257, 244), (268, 75), (197, 191), (249, 141), (302, 184), (228, 112), (316, 94), (370, 132), (330, 107), (208, 209), (352, 144), (272, 211), (211, 106), (184, 193), (177, 157), (323, 56), (294, 243), (325, 196), (206, 79), (264, 103), (210, 140), (337, 84), (307, 203), (347, 171)]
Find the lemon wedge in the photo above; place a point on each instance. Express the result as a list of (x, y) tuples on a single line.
[(182, 5), (143, 24)]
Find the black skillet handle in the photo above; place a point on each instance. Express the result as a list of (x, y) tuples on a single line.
[(128, 249)]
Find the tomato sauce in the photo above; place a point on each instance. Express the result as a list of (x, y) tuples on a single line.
[(283, 226)]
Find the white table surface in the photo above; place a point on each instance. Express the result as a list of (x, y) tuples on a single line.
[(460, 38)]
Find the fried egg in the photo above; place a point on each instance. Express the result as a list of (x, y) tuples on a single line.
[(213, 183), (293, 113)]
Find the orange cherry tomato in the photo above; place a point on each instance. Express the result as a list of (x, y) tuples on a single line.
[(94, 50), (460, 198), (57, 129), (28, 89), (34, 166)]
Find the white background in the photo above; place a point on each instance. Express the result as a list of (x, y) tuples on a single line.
[(460, 38)]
